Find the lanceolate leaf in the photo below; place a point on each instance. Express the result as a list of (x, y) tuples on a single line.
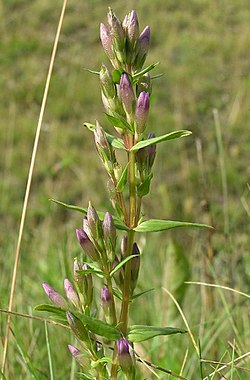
[(118, 121), (118, 223), (94, 325), (144, 71), (122, 263), (156, 140), (139, 333), (99, 327), (141, 293), (155, 225), (123, 179)]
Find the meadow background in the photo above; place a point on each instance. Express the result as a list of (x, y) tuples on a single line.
[(203, 50)]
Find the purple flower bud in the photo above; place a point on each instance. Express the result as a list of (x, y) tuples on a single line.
[(77, 327), (124, 357), (151, 152), (82, 360), (109, 230), (55, 297), (101, 138), (106, 40), (126, 93), (71, 293), (107, 83), (141, 112), (143, 47), (131, 25), (116, 31), (106, 298), (86, 244)]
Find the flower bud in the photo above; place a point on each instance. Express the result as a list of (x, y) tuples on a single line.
[(106, 40), (55, 297), (94, 222), (109, 230), (106, 299), (82, 360), (124, 356), (77, 327), (101, 141), (116, 31), (71, 293), (132, 28), (87, 245), (151, 152), (107, 83), (141, 111), (126, 93), (144, 84), (142, 48)]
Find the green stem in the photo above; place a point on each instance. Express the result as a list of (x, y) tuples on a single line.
[(112, 306)]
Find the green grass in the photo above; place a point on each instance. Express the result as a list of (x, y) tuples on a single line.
[(203, 49)]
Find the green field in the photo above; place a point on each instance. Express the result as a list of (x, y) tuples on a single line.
[(203, 50)]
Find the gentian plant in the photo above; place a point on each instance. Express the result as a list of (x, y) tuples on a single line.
[(110, 261)]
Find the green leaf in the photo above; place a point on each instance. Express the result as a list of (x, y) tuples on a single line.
[(103, 360), (92, 71), (99, 273), (116, 75), (155, 225), (51, 309), (118, 121), (141, 293), (99, 327), (140, 333), (144, 71), (144, 187), (156, 140), (115, 142), (118, 223), (123, 179), (123, 262)]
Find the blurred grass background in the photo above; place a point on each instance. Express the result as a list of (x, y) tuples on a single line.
[(203, 49)]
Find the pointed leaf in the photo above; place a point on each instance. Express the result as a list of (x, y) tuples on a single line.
[(99, 327), (155, 225), (122, 180), (140, 333), (123, 262), (156, 140), (51, 309), (141, 293), (144, 187), (118, 223), (92, 71), (118, 121), (144, 71)]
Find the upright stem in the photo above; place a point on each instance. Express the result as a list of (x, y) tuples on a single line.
[(131, 233)]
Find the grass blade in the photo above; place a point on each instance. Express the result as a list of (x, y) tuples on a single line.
[(51, 370)]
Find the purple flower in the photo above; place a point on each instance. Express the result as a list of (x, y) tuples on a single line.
[(131, 26), (126, 93), (86, 244), (109, 230), (106, 298), (55, 297), (125, 359), (71, 293), (106, 40)]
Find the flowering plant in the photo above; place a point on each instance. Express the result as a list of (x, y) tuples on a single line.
[(106, 340)]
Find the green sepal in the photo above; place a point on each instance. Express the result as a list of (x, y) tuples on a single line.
[(156, 140), (118, 223), (140, 333), (122, 180), (144, 71), (118, 121), (144, 187), (156, 225), (123, 262), (92, 71)]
